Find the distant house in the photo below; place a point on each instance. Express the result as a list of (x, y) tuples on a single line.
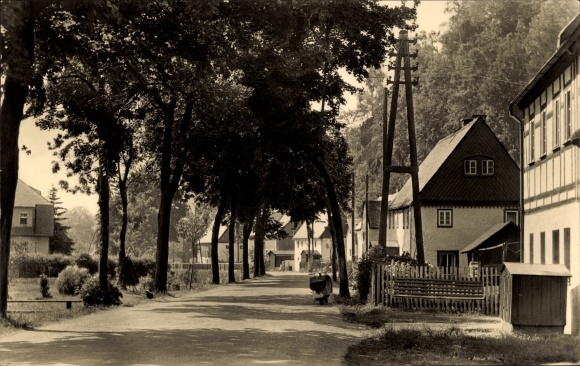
[(282, 243), (320, 249), (468, 183), (368, 231), (550, 133), (32, 221), (203, 254)]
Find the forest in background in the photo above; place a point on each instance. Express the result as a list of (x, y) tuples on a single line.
[(487, 53)]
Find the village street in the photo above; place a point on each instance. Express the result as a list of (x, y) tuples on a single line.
[(271, 320)]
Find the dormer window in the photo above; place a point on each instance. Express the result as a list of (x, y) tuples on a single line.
[(487, 167), (470, 167), (23, 218)]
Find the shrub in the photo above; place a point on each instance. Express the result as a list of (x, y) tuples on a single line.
[(71, 279), (31, 265), (92, 295), (144, 266), (44, 286), (85, 260), (146, 283)]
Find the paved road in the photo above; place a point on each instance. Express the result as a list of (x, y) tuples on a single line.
[(271, 320)]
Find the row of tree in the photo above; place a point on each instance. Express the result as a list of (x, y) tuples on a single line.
[(485, 54), (233, 102)]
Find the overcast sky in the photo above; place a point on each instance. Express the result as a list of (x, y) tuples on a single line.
[(36, 168)]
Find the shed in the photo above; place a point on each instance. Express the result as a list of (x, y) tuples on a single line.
[(533, 296), (500, 243), (276, 257)]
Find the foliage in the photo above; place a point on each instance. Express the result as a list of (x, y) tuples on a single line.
[(71, 280), (87, 261), (44, 286), (144, 266), (60, 242), (81, 224), (30, 265), (91, 294)]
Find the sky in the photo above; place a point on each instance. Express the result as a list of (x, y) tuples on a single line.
[(36, 168)]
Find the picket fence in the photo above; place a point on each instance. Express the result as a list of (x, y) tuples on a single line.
[(384, 277)]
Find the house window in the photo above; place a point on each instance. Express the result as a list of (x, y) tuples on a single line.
[(543, 247), (23, 218), (487, 167), (532, 138), (470, 167), (444, 218), (556, 137), (531, 248), (556, 246), (543, 134), (511, 215), (227, 246), (567, 116), (567, 247), (448, 258)]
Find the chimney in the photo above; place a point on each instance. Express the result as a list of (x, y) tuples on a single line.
[(482, 116)]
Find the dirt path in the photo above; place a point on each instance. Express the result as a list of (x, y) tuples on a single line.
[(266, 321)]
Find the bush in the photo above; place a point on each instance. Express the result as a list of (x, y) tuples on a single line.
[(146, 283), (92, 295), (71, 280), (85, 260), (31, 265), (44, 287), (144, 266)]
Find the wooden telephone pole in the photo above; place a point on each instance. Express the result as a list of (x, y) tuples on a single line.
[(402, 56)]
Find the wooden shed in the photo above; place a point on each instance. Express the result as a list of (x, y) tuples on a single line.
[(276, 258), (533, 297)]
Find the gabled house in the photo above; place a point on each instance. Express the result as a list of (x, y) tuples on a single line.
[(32, 221), (550, 134), (468, 183), (368, 231), (286, 243), (320, 249), (203, 251)]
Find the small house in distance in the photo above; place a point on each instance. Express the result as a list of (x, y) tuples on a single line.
[(32, 221)]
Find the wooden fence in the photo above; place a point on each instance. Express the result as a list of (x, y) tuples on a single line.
[(182, 267), (436, 288)]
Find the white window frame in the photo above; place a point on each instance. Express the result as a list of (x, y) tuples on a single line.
[(543, 134), (532, 136), (567, 115), (23, 219), (487, 167), (470, 167), (557, 126), (508, 212), (444, 218)]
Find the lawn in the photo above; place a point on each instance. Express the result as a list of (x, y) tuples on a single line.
[(423, 338), (32, 315)]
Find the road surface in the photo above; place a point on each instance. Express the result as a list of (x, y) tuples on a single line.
[(271, 320)]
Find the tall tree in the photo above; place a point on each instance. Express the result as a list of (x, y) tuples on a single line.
[(60, 242)]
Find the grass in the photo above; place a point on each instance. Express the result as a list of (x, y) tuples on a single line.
[(32, 315), (421, 338)]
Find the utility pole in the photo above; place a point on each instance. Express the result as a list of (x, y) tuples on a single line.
[(366, 217), (403, 56)]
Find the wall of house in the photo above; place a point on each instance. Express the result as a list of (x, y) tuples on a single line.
[(29, 211), (552, 182), (468, 223), (34, 244)]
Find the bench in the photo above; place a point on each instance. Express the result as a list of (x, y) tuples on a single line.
[(68, 302), (431, 288)]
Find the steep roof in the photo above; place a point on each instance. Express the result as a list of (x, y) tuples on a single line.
[(431, 165), (26, 196), (222, 238), (319, 227), (441, 178)]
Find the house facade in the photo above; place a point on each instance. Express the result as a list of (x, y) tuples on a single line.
[(203, 250), (550, 126), (468, 183), (286, 243), (321, 246), (32, 221)]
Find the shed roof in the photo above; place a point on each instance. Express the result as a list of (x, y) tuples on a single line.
[(529, 269), (282, 252), (490, 233)]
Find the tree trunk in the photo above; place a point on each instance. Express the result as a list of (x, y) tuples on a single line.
[(123, 232), (215, 269), (104, 195), (169, 185), (20, 27), (232, 237), (246, 238), (259, 243), (333, 236), (336, 219)]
